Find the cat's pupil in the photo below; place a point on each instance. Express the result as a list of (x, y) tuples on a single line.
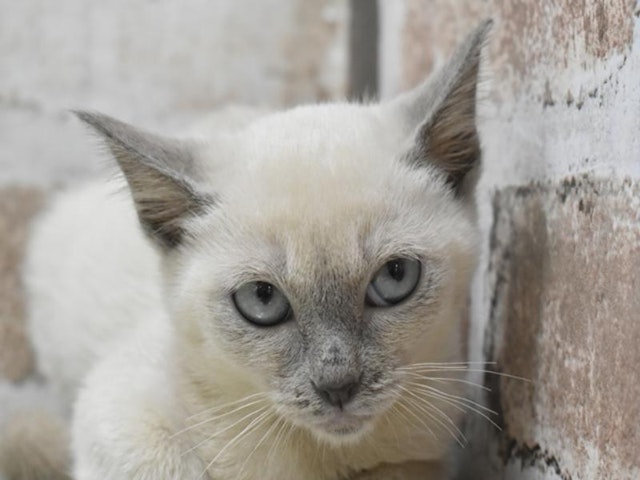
[(396, 270), (264, 292)]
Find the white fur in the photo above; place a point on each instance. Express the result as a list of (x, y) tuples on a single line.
[(87, 287)]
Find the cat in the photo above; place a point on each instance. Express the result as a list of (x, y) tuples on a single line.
[(271, 299)]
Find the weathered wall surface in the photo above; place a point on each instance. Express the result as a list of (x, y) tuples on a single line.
[(155, 63), (557, 295)]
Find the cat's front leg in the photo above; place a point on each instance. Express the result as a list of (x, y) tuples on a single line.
[(405, 471), (123, 425), (125, 440)]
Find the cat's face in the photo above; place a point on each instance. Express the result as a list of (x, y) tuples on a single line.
[(315, 252), (325, 264)]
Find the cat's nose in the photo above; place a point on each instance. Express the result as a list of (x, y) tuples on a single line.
[(337, 393)]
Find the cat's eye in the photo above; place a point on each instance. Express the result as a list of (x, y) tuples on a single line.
[(261, 303), (394, 282)]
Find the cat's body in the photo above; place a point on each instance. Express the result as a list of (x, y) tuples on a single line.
[(309, 269)]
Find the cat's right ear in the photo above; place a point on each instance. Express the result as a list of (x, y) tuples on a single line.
[(160, 173), (440, 116)]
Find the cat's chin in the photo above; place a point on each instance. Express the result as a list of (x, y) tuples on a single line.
[(341, 429)]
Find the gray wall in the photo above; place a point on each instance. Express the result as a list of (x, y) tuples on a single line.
[(157, 63)]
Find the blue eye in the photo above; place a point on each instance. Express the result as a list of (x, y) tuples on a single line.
[(394, 282), (261, 304)]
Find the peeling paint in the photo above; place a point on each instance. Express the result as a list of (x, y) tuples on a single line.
[(566, 273), (530, 37), (535, 456)]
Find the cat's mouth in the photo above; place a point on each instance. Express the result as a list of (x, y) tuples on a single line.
[(344, 427)]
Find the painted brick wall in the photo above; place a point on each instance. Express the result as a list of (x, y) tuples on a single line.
[(557, 294)]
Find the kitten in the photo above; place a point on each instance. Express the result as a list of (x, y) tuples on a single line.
[(297, 279)]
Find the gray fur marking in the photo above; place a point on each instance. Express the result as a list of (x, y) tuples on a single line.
[(160, 173), (442, 113)]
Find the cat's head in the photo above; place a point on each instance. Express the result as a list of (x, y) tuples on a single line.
[(312, 253)]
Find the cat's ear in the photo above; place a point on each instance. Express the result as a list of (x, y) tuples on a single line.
[(441, 115), (160, 174)]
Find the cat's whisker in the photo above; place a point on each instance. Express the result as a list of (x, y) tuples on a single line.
[(423, 411), (460, 406), (276, 441), (440, 364), (225, 429), (262, 439), (453, 397), (281, 437), (392, 426), (425, 406), (434, 369), (398, 414), (417, 417), (445, 419), (446, 379), (215, 417), (255, 423), (433, 407), (226, 405)]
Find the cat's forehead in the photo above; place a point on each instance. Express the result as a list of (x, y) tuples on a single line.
[(319, 138), (330, 159), (332, 224), (327, 180), (328, 121)]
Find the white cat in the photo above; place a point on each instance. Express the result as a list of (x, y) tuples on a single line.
[(306, 273)]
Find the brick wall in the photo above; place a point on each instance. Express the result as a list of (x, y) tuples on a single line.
[(557, 294)]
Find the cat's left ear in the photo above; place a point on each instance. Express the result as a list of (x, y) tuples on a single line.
[(161, 175), (441, 114)]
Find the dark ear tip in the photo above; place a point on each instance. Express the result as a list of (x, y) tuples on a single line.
[(85, 116), (487, 24), (102, 124), (482, 32), (81, 114)]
